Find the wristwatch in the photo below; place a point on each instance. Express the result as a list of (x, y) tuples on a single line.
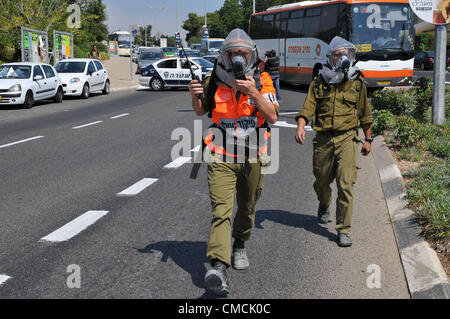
[(370, 140)]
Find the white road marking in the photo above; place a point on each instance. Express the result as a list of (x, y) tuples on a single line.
[(22, 141), (85, 125), (120, 115), (76, 226), (196, 149), (286, 124), (3, 279), (138, 187), (288, 113), (178, 162)]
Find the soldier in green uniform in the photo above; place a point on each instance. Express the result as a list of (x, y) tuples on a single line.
[(337, 99)]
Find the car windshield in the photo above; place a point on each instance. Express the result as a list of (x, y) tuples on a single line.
[(169, 49), (70, 67), (15, 71), (147, 55), (430, 54), (204, 63)]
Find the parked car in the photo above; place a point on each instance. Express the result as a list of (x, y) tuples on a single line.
[(195, 46), (23, 83), (148, 56), (170, 72), (80, 77), (189, 52), (206, 65), (210, 58), (170, 51), (424, 60), (138, 53)]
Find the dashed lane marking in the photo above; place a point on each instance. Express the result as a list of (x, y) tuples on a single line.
[(75, 227), (85, 125), (180, 161), (138, 187), (22, 141)]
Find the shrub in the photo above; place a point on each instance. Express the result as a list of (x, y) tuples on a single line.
[(383, 119), (408, 130), (397, 102), (423, 95)]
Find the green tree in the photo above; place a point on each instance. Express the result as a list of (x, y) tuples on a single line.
[(193, 25)]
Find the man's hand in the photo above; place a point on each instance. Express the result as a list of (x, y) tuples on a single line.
[(247, 87), (300, 135), (365, 150), (195, 88)]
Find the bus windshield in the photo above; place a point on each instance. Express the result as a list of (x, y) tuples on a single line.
[(382, 27), (215, 44)]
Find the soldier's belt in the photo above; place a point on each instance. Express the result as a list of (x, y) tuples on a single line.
[(334, 132)]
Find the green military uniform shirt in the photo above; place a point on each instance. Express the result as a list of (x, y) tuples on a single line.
[(338, 107)]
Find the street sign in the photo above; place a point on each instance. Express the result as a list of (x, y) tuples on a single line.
[(205, 31), (432, 11), (62, 45), (34, 46)]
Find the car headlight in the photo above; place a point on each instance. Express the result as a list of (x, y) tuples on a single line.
[(15, 88), (145, 73), (74, 80)]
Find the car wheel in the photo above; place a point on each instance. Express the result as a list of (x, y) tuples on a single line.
[(29, 100), (422, 66), (85, 92), (156, 84), (107, 88), (59, 95)]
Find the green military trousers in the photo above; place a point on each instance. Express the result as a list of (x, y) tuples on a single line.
[(224, 179), (335, 158)]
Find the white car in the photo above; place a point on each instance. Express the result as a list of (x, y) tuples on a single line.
[(23, 83), (80, 77), (172, 72)]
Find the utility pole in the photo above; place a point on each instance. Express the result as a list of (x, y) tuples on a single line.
[(206, 22), (254, 6), (438, 110)]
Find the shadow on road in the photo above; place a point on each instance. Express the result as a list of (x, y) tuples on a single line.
[(189, 255), (297, 220)]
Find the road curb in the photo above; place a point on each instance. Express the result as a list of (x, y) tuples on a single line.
[(424, 273), (125, 88)]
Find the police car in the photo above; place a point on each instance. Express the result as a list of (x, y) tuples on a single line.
[(172, 72)]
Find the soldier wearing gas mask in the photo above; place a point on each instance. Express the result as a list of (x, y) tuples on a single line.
[(240, 101), (337, 99)]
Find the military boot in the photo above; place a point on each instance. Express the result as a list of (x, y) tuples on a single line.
[(216, 279), (344, 240), (324, 215)]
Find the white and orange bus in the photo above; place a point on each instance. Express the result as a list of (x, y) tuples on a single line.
[(382, 31)]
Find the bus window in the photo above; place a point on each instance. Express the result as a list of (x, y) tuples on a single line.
[(256, 27), (328, 23), (285, 15), (267, 29), (312, 23), (343, 18), (295, 28)]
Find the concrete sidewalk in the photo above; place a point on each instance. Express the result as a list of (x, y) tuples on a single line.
[(119, 73)]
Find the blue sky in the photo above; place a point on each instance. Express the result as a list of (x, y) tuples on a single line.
[(122, 13)]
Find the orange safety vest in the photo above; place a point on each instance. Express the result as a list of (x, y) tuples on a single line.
[(242, 118)]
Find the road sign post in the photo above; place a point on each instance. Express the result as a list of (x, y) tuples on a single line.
[(438, 111)]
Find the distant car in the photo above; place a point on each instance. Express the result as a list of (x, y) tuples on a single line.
[(80, 77), (24, 83), (195, 46), (424, 60), (169, 72), (210, 58), (206, 65), (138, 53), (148, 56), (170, 51), (189, 52)]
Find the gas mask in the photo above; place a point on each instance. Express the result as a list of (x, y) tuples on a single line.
[(237, 58), (334, 73)]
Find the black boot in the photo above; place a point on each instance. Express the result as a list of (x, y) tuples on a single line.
[(216, 279), (324, 215)]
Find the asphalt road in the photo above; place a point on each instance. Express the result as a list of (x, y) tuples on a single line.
[(429, 73), (153, 244)]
